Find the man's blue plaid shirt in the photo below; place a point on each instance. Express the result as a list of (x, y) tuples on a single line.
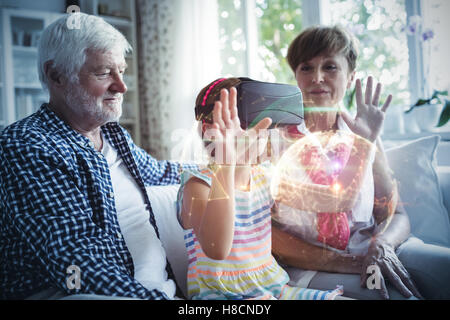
[(57, 209)]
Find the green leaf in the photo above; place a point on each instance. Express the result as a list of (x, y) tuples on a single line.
[(421, 102), (440, 93), (445, 114), (349, 99), (434, 95), (409, 110)]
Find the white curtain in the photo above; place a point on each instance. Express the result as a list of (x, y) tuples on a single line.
[(178, 56)]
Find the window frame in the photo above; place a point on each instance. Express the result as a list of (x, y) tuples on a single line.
[(315, 13), (416, 61)]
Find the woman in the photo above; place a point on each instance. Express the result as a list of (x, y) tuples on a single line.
[(367, 233)]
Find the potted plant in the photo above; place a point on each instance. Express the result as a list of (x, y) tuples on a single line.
[(433, 116), (429, 115)]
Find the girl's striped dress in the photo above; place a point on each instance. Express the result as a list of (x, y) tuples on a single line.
[(250, 271)]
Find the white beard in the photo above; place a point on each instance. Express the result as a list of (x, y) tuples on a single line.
[(85, 106)]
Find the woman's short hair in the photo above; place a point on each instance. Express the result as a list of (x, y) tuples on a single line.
[(64, 42), (323, 40)]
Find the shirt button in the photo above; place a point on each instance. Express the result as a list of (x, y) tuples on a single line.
[(119, 235), (111, 194)]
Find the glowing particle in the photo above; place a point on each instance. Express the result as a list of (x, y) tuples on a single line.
[(336, 187), (336, 166)]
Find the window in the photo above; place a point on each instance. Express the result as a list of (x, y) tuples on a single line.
[(279, 22), (232, 37), (383, 44), (255, 35), (435, 16)]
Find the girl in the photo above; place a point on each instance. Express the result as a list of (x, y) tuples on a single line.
[(225, 212)]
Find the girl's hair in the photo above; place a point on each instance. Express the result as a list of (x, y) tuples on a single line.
[(65, 44), (204, 104), (319, 40)]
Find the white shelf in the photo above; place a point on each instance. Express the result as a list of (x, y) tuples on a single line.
[(127, 121), (24, 85), (18, 62), (117, 21), (25, 50)]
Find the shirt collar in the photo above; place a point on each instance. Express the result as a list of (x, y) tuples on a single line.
[(57, 125), (340, 124)]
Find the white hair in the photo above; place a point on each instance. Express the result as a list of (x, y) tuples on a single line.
[(65, 44)]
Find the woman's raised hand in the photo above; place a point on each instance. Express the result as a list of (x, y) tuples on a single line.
[(227, 132), (369, 116)]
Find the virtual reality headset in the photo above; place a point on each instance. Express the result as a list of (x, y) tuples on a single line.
[(256, 100)]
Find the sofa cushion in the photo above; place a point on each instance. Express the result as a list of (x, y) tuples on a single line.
[(444, 180), (414, 167), (163, 201)]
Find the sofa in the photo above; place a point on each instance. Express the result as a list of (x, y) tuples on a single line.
[(424, 189)]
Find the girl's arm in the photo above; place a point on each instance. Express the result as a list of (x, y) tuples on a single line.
[(210, 212)]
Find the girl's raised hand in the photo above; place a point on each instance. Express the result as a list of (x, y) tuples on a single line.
[(227, 132), (369, 116)]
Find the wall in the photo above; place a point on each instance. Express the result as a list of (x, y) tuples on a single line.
[(47, 5)]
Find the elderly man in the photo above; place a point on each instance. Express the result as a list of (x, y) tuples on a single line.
[(73, 182)]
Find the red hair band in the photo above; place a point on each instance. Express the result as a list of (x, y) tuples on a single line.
[(209, 90)]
